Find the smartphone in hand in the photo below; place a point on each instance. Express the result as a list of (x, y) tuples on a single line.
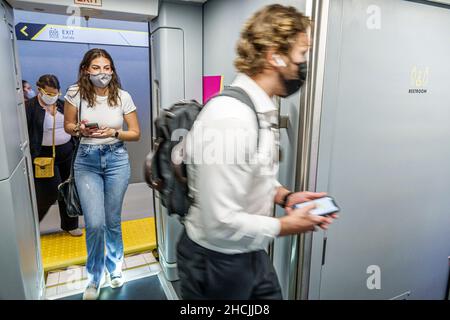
[(91, 125), (324, 206)]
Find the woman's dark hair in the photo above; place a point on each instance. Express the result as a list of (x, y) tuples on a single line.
[(24, 82), (86, 88), (48, 80)]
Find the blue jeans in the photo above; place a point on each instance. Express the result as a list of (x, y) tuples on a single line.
[(101, 176)]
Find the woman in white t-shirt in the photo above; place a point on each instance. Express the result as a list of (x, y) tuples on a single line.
[(102, 167)]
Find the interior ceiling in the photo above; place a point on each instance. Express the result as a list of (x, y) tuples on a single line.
[(441, 1), (198, 1), (135, 11)]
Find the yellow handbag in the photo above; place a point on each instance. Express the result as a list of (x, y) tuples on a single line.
[(45, 167)]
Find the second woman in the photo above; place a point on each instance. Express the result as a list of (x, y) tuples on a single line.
[(45, 119)]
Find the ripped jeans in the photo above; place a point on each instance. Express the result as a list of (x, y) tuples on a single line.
[(101, 175)]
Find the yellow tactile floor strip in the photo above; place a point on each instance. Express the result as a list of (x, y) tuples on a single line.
[(61, 250)]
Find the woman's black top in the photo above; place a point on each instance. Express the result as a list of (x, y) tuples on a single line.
[(35, 122)]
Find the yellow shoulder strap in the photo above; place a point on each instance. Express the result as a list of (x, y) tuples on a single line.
[(54, 129)]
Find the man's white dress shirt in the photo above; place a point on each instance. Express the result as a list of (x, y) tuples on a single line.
[(233, 182)]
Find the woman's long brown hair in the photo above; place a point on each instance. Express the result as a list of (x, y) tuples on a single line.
[(85, 86)]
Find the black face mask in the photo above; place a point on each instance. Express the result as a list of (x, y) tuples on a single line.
[(292, 86)]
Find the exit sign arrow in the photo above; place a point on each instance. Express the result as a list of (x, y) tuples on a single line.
[(23, 31)]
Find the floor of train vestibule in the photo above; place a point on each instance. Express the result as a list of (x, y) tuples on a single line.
[(64, 257), (143, 275)]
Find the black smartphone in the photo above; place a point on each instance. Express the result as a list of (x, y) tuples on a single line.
[(92, 125), (324, 206)]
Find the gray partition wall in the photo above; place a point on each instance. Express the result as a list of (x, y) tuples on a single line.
[(176, 63), (383, 152), (20, 262)]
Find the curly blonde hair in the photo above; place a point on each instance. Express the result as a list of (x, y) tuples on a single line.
[(273, 27)]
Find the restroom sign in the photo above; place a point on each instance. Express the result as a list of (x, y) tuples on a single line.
[(419, 80), (97, 3)]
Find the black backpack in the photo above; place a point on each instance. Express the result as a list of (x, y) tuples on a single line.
[(161, 173)]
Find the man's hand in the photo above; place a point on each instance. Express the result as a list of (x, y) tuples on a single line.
[(300, 197), (300, 221)]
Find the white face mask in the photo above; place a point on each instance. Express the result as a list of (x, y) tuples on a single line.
[(49, 100), (30, 94)]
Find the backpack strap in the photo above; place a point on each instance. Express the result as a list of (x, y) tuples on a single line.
[(242, 96)]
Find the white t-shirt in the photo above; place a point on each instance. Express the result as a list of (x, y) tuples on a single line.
[(102, 113), (61, 137)]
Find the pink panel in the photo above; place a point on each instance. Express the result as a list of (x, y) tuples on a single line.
[(212, 85)]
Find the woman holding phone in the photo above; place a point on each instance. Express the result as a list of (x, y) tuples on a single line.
[(102, 167)]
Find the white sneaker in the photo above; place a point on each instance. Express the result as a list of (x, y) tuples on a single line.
[(91, 292), (117, 281), (76, 232)]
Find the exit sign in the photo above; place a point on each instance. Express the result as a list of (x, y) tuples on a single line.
[(89, 2)]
